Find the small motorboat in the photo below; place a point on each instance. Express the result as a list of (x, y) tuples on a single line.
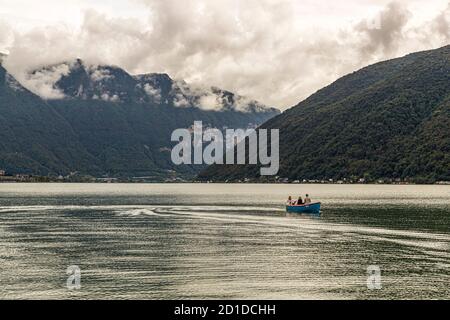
[(304, 208)]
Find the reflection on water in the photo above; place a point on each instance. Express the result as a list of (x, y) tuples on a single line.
[(223, 241)]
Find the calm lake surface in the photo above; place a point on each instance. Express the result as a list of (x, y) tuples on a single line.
[(205, 241)]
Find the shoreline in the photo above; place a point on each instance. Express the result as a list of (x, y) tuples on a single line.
[(440, 183)]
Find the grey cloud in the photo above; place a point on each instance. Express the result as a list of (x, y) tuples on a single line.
[(253, 48), (442, 23), (385, 31), (6, 36), (43, 81)]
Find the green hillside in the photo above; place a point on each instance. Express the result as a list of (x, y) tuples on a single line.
[(34, 138), (388, 120), (106, 124)]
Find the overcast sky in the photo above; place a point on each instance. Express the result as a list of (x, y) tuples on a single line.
[(274, 51)]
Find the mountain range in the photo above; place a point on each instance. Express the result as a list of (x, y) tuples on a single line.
[(101, 121), (390, 120)]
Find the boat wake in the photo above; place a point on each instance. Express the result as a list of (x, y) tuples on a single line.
[(305, 225)]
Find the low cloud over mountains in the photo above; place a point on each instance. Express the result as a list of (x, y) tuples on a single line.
[(278, 52)]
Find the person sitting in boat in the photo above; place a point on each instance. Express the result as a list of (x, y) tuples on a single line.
[(307, 199), (289, 201), (300, 201)]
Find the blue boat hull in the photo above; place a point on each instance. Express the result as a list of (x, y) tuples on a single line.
[(306, 208)]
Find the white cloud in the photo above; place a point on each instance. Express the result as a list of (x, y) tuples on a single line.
[(181, 101), (442, 23), (181, 92), (155, 93), (98, 74), (210, 101), (242, 103), (43, 82), (110, 97), (275, 51)]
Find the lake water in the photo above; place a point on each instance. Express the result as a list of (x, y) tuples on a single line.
[(204, 241)]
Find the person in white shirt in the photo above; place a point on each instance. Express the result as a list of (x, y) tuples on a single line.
[(307, 199)]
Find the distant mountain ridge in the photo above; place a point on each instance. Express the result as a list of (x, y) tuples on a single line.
[(78, 80), (390, 120), (102, 121)]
